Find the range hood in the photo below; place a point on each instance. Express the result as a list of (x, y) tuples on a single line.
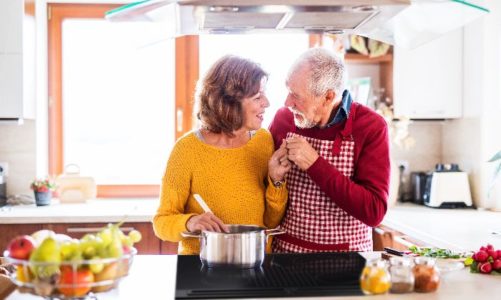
[(405, 23)]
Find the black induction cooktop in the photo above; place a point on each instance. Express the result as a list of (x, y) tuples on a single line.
[(282, 275)]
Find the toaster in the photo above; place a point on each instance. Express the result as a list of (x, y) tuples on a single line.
[(447, 187)]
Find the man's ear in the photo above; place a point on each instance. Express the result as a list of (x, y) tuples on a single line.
[(330, 95)]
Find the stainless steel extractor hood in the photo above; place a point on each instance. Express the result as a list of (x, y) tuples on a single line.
[(406, 23)]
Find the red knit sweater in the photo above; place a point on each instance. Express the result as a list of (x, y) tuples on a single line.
[(364, 195)]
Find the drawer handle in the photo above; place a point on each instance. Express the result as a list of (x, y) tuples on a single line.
[(94, 229)]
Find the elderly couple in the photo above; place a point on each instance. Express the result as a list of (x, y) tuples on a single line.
[(321, 173)]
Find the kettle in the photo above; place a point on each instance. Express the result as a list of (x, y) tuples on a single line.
[(418, 183)]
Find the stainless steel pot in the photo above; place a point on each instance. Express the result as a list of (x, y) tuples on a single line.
[(243, 246)]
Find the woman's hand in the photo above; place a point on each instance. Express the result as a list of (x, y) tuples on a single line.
[(279, 164), (206, 221)]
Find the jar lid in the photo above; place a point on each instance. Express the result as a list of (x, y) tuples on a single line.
[(400, 261), (423, 260)]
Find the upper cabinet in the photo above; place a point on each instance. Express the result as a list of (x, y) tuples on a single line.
[(17, 59), (428, 80)]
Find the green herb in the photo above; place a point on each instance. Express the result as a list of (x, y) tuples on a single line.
[(435, 252)]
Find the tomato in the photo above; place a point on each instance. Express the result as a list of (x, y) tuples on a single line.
[(75, 284)]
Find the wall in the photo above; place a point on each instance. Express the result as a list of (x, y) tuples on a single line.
[(17, 147), (474, 139)]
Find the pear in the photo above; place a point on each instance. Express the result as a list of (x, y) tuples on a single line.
[(41, 235), (45, 259)]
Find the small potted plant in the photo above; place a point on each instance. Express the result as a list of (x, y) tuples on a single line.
[(43, 190)]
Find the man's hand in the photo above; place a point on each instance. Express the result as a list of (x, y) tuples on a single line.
[(279, 165), (206, 221), (301, 152)]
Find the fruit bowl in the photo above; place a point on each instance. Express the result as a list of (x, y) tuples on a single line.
[(80, 279)]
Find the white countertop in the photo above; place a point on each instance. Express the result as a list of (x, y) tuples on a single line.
[(154, 277), (456, 229), (98, 210)]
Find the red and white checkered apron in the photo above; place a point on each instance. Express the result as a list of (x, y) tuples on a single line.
[(313, 222)]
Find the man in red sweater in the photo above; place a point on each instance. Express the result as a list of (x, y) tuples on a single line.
[(338, 185)]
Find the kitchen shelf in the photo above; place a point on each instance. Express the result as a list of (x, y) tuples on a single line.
[(356, 58)]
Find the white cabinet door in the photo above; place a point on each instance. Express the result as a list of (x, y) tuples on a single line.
[(11, 35), (428, 80), (11, 86), (17, 61)]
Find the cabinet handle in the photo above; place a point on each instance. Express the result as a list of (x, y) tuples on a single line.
[(93, 229)]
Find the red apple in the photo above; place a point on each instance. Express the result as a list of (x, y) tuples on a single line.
[(75, 284), (20, 247)]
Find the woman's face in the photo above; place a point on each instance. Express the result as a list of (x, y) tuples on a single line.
[(253, 108)]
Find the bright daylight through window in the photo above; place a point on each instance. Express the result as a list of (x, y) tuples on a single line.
[(118, 99)]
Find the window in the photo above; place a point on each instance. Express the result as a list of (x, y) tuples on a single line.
[(116, 99)]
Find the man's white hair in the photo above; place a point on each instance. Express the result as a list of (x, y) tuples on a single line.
[(327, 71)]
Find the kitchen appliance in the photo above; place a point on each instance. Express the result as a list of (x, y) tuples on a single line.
[(243, 246), (3, 189), (74, 188), (405, 23), (447, 187), (281, 275), (418, 185)]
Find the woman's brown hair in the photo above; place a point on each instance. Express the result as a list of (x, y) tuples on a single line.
[(220, 93)]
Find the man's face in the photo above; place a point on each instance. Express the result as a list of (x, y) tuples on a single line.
[(300, 100)]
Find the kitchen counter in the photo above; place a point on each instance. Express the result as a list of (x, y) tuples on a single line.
[(455, 229), (154, 277), (98, 210)]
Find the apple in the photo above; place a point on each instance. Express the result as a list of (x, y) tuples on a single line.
[(75, 284), (21, 247)]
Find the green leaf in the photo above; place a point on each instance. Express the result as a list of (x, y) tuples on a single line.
[(496, 157)]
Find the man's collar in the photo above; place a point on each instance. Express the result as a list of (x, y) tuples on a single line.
[(343, 111)]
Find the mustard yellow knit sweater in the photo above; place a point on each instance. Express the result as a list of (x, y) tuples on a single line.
[(231, 181)]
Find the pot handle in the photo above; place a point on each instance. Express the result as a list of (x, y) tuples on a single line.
[(187, 234), (275, 231)]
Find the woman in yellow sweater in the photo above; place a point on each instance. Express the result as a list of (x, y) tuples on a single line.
[(229, 161)]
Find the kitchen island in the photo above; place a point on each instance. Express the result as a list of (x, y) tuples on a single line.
[(456, 229), (154, 277)]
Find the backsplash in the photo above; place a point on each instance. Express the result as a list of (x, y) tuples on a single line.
[(18, 149)]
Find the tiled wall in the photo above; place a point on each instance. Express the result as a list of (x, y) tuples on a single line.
[(17, 148)]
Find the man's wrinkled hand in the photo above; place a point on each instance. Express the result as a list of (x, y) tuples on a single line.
[(300, 152)]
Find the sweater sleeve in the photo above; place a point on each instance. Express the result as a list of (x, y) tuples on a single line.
[(276, 203), (170, 219), (364, 196), (276, 197)]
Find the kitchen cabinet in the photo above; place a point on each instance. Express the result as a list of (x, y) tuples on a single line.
[(428, 80), (149, 243), (17, 59), (383, 236)]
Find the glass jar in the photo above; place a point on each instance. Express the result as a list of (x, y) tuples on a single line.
[(426, 275), (375, 278), (402, 276)]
